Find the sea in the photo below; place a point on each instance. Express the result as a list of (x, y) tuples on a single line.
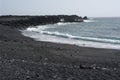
[(102, 32)]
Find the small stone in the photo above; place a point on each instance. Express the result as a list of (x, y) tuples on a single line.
[(104, 68), (46, 58), (55, 76), (115, 69), (5, 40), (23, 60), (45, 63), (27, 77), (94, 67), (12, 60)]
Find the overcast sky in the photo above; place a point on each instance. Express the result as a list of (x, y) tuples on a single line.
[(91, 8)]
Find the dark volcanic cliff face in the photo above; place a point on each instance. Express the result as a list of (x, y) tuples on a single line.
[(25, 21)]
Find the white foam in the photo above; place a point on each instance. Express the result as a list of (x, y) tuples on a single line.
[(66, 23), (66, 35), (37, 28), (88, 20), (60, 23), (39, 34), (55, 39)]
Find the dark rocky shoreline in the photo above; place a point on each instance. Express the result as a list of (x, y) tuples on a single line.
[(25, 21), (22, 58)]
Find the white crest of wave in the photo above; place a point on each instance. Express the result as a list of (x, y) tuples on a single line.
[(37, 28), (88, 20), (100, 39), (56, 33), (66, 23), (41, 29), (60, 23), (31, 29), (71, 40), (66, 35)]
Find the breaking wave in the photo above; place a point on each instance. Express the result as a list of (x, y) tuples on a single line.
[(88, 21), (66, 23), (45, 33), (66, 35), (42, 30)]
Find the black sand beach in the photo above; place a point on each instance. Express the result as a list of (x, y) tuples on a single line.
[(22, 58)]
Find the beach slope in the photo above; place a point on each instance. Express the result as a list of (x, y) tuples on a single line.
[(22, 58)]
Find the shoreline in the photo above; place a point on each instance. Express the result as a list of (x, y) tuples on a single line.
[(46, 36), (22, 58), (70, 41)]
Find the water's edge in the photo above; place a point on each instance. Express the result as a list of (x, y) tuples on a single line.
[(50, 37)]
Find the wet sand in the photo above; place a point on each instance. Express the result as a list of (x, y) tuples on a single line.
[(22, 58)]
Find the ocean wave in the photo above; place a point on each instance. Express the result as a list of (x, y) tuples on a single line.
[(88, 21), (43, 30), (62, 33), (43, 27), (66, 23), (57, 34), (37, 28), (66, 35), (54, 39)]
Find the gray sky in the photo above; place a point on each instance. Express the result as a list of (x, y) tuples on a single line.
[(91, 8)]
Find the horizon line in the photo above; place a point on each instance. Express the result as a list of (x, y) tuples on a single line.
[(55, 14)]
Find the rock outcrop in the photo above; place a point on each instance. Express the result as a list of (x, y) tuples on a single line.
[(18, 21), (85, 17)]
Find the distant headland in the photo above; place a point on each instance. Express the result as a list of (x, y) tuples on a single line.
[(17, 21)]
